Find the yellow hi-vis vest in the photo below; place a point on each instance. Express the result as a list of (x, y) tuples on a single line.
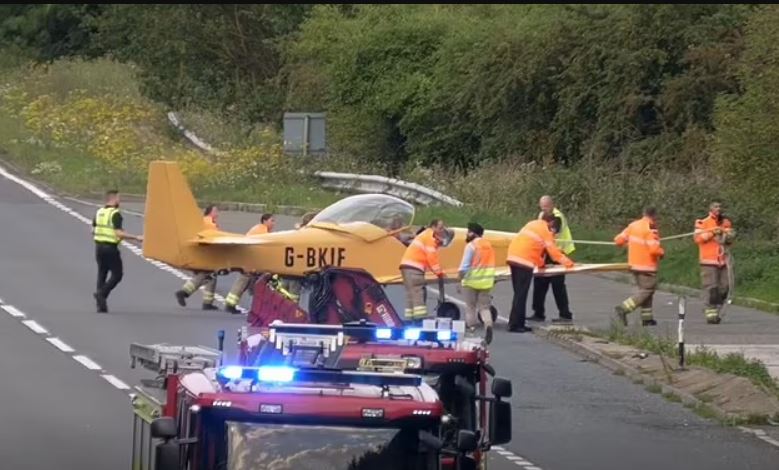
[(481, 275), (563, 238), (104, 227)]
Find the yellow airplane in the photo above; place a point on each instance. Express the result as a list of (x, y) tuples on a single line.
[(363, 231)]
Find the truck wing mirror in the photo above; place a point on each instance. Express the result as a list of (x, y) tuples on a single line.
[(500, 422), (166, 456), (501, 387)]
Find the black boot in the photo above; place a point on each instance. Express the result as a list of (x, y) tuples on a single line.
[(181, 297)]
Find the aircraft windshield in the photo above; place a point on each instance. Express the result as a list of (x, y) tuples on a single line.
[(387, 212)]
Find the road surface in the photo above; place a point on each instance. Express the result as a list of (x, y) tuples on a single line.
[(65, 368)]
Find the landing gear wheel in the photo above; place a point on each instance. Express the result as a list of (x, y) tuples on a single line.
[(493, 313), (448, 310)]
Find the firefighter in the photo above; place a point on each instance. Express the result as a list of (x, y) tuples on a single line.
[(714, 234), (525, 253), (644, 253), (477, 274), (267, 222), (202, 278), (421, 256), (108, 233), (541, 283)]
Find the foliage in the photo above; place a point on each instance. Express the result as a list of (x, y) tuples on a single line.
[(66, 117), (218, 56), (732, 363), (748, 126)]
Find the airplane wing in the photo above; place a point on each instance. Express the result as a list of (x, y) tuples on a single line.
[(504, 272), (215, 237)]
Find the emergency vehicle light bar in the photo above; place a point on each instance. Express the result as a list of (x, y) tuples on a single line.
[(290, 375), (369, 332)]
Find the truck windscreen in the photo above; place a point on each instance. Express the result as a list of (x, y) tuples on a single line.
[(301, 447)]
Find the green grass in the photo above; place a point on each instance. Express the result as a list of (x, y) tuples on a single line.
[(733, 363)]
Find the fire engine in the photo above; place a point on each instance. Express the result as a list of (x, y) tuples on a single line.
[(311, 396)]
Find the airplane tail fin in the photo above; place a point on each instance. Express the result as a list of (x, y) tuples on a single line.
[(172, 217)]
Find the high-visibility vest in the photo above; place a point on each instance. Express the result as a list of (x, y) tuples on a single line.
[(104, 226), (644, 250), (711, 252), (564, 236), (528, 247), (481, 275), (208, 221), (259, 229), (422, 253)]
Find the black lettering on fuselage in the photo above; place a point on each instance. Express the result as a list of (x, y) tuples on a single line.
[(315, 257)]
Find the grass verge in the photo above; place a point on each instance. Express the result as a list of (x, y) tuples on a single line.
[(732, 363)]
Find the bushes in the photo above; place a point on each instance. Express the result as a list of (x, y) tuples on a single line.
[(84, 126)]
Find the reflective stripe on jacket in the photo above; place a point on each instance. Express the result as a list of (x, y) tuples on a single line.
[(104, 226), (528, 247), (422, 253), (480, 274), (644, 250), (711, 252), (564, 237)]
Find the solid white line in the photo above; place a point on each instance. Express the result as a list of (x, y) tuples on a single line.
[(59, 344), (532, 468), (116, 382), (13, 311), (87, 362), (34, 326)]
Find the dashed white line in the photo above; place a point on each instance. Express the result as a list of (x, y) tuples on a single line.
[(35, 326), (116, 382), (13, 311), (760, 434), (87, 362), (61, 345), (512, 457)]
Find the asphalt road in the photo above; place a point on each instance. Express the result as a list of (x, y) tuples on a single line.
[(59, 414)]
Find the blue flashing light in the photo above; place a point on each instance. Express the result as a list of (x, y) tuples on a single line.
[(276, 373), (231, 372), (383, 333), (412, 334), (444, 335)]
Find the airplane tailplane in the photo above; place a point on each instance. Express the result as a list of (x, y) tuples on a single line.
[(172, 216)]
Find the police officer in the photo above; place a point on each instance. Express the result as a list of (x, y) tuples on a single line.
[(107, 232)]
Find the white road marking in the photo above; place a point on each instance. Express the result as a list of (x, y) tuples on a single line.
[(59, 344), (116, 382), (35, 326), (13, 311), (512, 457), (760, 434), (87, 362)]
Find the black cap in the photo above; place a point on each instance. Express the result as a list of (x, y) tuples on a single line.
[(476, 228)]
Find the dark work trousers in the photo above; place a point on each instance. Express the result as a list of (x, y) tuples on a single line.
[(109, 260), (521, 278), (541, 287)]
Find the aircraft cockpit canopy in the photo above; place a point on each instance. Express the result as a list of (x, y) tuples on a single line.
[(386, 212)]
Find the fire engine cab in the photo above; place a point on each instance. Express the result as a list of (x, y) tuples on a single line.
[(297, 400)]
